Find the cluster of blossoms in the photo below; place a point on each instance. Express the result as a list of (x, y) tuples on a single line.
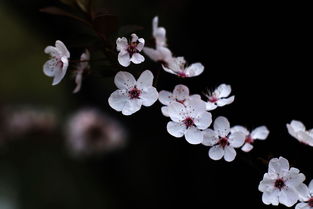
[(189, 114)]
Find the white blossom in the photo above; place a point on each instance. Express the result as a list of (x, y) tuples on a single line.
[(161, 53), (307, 200), (177, 66), (180, 94), (282, 184), (57, 65), (219, 97), (131, 94), (298, 131), (90, 131), (222, 140), (129, 52), (259, 133), (188, 120), (80, 69)]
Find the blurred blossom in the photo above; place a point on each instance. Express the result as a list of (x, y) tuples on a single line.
[(80, 69), (90, 131), (27, 120)]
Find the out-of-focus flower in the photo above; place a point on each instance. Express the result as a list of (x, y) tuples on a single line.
[(297, 130), (180, 94), (177, 66), (29, 120), (129, 52), (57, 65), (188, 120), (131, 94), (219, 97), (80, 69), (282, 184), (259, 133), (222, 140), (161, 53), (90, 131), (307, 200)]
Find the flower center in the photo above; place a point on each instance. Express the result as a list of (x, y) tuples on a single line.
[(134, 93), (213, 99), (182, 75), (132, 48), (180, 101), (188, 122), (223, 142), (249, 139), (310, 202), (279, 183)]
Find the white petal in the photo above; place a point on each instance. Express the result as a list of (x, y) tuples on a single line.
[(134, 37), (53, 51), (230, 153), (118, 99), (160, 37), (165, 97), (297, 125), (59, 74), (270, 197), (267, 183), (124, 58), (78, 81), (153, 54), (124, 80), (294, 177), (278, 166), (222, 91), (226, 101), (50, 67), (210, 106), (137, 58), (131, 106), (237, 139), (176, 129), (210, 138), (311, 186), (288, 197), (194, 70), (216, 152), (62, 48), (166, 69), (149, 96), (247, 147), (303, 192), (177, 112), (302, 205), (164, 111), (193, 135), (221, 126), (195, 107), (141, 44), (240, 129), (121, 44), (145, 80), (181, 92), (155, 23), (195, 97), (305, 137), (260, 133), (203, 121)]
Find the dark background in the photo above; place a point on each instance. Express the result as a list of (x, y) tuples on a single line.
[(262, 50)]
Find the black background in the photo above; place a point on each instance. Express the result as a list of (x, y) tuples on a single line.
[(263, 50)]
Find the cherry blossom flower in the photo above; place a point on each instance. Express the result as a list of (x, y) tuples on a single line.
[(222, 140), (188, 120), (180, 94), (129, 52), (219, 97), (282, 184), (259, 133), (161, 53), (298, 131), (57, 65), (177, 66), (90, 131), (80, 69), (131, 94), (307, 200)]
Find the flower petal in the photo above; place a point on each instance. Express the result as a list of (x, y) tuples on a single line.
[(247, 147), (124, 80), (50, 67), (134, 37), (137, 58), (165, 97), (78, 81), (194, 70), (60, 73), (164, 111), (270, 197), (153, 54), (145, 80), (278, 166), (141, 44), (52, 51), (222, 91), (221, 126), (124, 58), (230, 153), (203, 121), (177, 112), (210, 106), (216, 152), (240, 129), (62, 48), (176, 129), (118, 99), (149, 96), (131, 106), (193, 135), (260, 133), (236, 139), (181, 92), (121, 44), (288, 197), (302, 205), (226, 101), (210, 138), (311, 186)]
